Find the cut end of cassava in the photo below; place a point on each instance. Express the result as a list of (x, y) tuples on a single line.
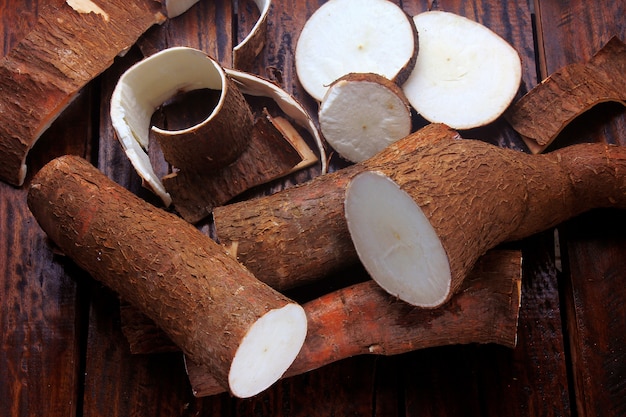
[(361, 114), (396, 243), (345, 36), (267, 350), (465, 75)]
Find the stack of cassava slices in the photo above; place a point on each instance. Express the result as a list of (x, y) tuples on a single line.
[(423, 211)]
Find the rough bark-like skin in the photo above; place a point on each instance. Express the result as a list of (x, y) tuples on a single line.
[(268, 156), (299, 235), (42, 74), (364, 319), (214, 143), (544, 111), (475, 195), (198, 294)]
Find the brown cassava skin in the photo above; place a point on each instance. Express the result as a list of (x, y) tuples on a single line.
[(474, 194), (202, 298), (267, 157), (64, 51), (364, 319), (299, 235), (545, 110), (214, 143)]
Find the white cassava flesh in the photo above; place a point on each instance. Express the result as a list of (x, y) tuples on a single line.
[(395, 241), (345, 36), (361, 114), (465, 75), (154, 80), (268, 349)]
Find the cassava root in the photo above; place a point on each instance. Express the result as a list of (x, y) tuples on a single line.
[(245, 333), (362, 319), (475, 196)]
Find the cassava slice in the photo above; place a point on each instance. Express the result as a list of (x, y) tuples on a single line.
[(345, 36), (361, 114), (465, 75), (245, 333)]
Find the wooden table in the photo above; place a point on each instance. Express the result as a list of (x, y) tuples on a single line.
[(62, 352)]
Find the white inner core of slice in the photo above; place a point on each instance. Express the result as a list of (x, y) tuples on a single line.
[(268, 349), (395, 241), (360, 119), (465, 75)]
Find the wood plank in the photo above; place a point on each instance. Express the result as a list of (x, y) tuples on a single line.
[(595, 245), (40, 308)]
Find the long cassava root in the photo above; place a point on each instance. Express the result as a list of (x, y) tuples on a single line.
[(475, 196), (241, 330), (363, 319)]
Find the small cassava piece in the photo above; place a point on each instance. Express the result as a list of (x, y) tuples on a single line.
[(549, 107), (69, 46), (473, 194), (465, 75), (361, 114), (242, 331), (345, 36), (362, 319)]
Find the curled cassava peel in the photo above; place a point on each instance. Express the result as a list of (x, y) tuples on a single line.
[(547, 109), (67, 48), (152, 81), (247, 50)]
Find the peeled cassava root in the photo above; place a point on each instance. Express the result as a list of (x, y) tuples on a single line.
[(364, 319), (474, 195), (242, 331)]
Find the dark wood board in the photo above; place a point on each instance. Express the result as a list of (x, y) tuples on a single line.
[(62, 351)]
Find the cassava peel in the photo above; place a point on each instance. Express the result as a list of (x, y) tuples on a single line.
[(549, 107), (452, 182), (361, 114), (65, 50), (212, 307)]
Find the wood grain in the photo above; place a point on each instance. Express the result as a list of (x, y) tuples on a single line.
[(57, 334)]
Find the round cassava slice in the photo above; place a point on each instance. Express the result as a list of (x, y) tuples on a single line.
[(361, 114), (465, 75), (345, 36)]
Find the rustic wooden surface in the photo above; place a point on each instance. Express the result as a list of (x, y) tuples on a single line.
[(62, 352)]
